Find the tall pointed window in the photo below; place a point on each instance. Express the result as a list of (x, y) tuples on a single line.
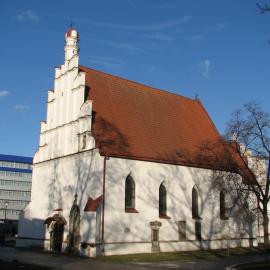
[(162, 201), (129, 193), (198, 230), (222, 201), (195, 204)]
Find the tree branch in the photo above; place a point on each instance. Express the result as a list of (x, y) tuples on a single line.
[(263, 8)]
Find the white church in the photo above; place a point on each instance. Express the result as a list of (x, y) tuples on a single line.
[(118, 170)]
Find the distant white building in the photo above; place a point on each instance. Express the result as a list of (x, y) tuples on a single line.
[(118, 170), (15, 186)]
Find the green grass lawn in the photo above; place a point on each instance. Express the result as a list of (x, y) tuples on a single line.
[(180, 256)]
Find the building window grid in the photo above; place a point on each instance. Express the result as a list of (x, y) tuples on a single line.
[(17, 174), (15, 165), (15, 203), (15, 183), (15, 193), (15, 187), (10, 212)]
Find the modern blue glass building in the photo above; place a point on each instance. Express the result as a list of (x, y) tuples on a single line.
[(15, 186)]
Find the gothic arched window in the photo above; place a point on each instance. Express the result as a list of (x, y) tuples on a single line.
[(162, 200), (195, 203), (84, 141), (222, 201), (129, 193)]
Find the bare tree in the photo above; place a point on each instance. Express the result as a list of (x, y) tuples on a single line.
[(249, 129), (263, 7)]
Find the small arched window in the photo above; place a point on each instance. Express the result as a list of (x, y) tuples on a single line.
[(195, 204), (129, 193), (84, 141), (162, 200), (222, 201)]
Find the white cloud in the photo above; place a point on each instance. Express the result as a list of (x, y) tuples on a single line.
[(4, 93), (131, 2), (159, 36), (147, 27), (152, 69), (168, 5), (217, 27), (28, 15), (204, 67), (109, 63), (195, 38), (129, 47), (20, 107)]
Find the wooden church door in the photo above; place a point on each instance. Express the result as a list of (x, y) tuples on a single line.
[(57, 237)]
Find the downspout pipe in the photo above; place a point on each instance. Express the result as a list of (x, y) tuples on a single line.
[(103, 200)]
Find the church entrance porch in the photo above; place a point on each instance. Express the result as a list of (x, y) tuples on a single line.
[(56, 225)]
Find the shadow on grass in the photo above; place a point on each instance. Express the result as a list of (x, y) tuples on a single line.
[(182, 256), (256, 265)]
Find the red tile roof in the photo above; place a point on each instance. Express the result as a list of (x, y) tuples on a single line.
[(92, 204), (59, 219), (135, 121), (68, 33)]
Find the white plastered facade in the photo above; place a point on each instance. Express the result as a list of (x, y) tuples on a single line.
[(67, 162)]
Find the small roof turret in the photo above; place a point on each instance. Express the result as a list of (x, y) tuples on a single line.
[(72, 39), (71, 32)]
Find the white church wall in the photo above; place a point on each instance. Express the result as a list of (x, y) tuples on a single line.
[(126, 232), (54, 185), (88, 227)]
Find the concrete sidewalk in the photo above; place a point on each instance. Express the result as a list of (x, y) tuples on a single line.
[(61, 261), (65, 262)]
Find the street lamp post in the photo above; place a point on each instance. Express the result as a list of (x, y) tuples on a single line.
[(6, 205)]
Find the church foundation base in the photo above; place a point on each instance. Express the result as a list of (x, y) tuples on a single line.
[(91, 250), (32, 243), (174, 246)]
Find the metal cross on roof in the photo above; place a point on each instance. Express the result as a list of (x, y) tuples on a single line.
[(71, 24)]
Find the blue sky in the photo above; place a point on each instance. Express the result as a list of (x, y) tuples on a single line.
[(217, 49)]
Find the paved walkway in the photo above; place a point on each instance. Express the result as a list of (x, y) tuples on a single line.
[(64, 262), (61, 261)]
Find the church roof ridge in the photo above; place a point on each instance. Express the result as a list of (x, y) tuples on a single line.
[(132, 120), (161, 91)]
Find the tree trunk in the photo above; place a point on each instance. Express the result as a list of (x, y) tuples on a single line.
[(265, 230)]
